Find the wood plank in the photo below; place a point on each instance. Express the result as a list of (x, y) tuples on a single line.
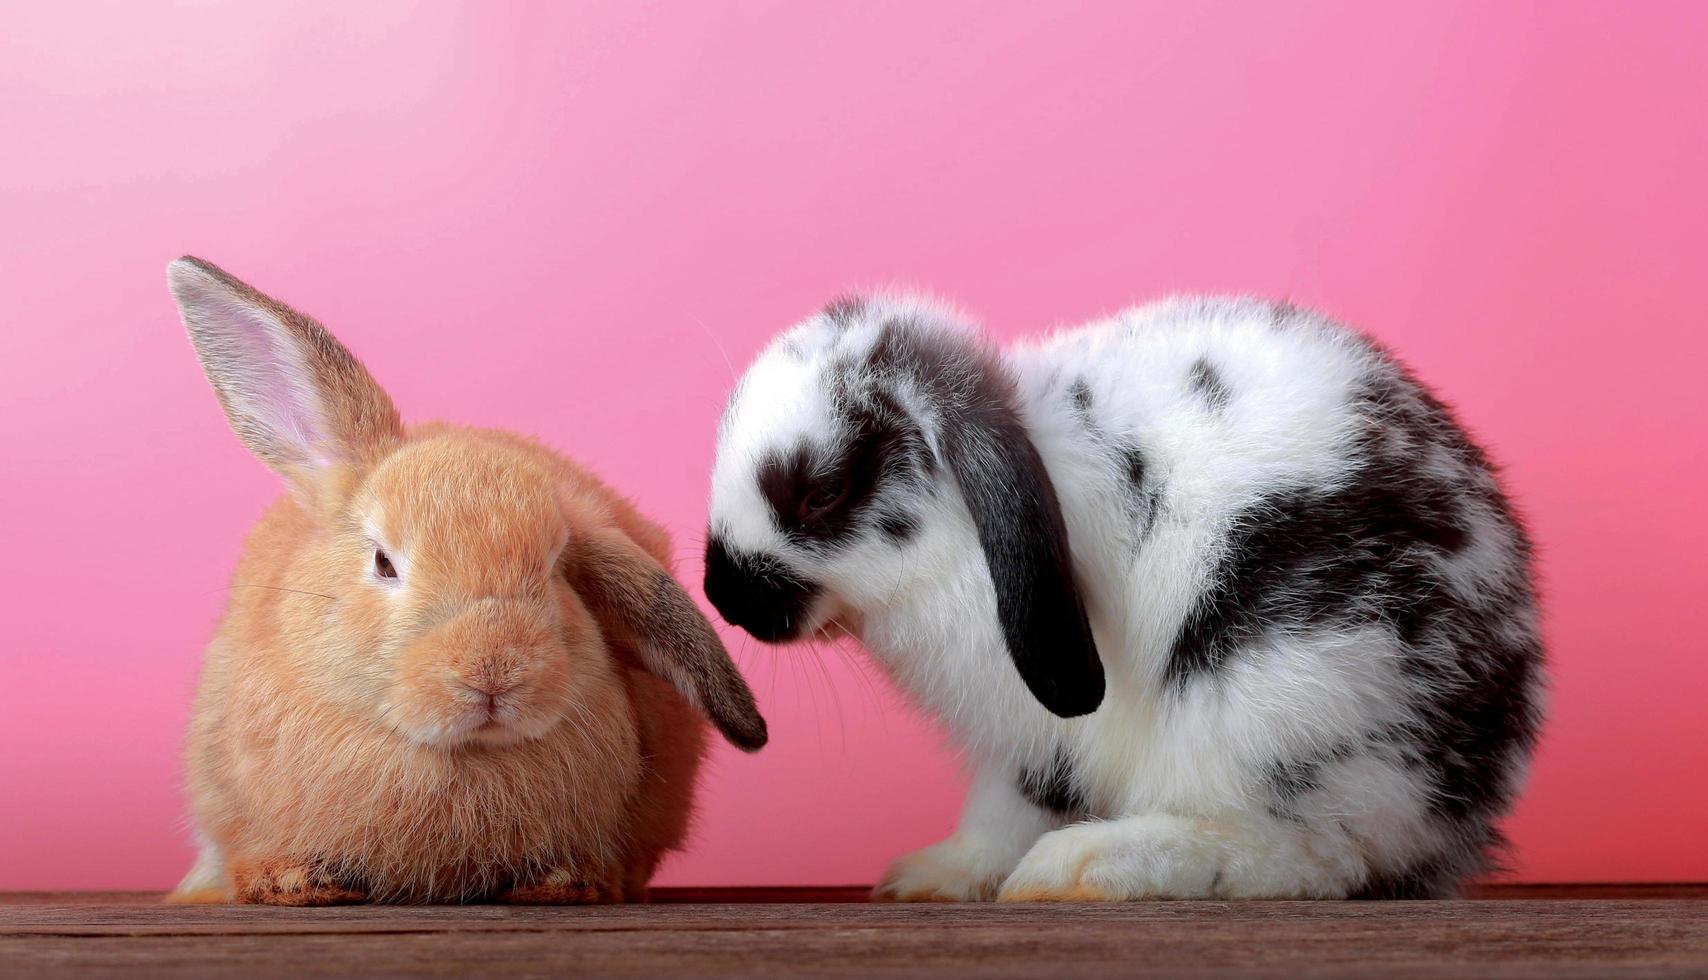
[(1663, 933)]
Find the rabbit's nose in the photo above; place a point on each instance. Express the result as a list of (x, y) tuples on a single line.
[(493, 691), (759, 593), (492, 683)]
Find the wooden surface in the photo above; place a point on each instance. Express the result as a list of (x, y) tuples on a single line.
[(1512, 931)]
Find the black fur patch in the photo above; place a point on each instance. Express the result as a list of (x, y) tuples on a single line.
[(1333, 557), (1481, 670), (783, 478), (1294, 778), (845, 309), (1133, 467), (893, 352), (1144, 500), (1209, 385), (1080, 392), (1291, 780), (1369, 553), (898, 526), (1053, 788), (823, 498), (1427, 879), (1128, 459), (1468, 737)]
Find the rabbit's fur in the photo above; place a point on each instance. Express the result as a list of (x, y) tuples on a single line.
[(1217, 599), (446, 668)]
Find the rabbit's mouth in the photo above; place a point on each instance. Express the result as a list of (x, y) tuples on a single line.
[(835, 622), (482, 709), (504, 719)]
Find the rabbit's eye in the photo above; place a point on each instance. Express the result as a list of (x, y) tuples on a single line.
[(821, 499), (382, 564)]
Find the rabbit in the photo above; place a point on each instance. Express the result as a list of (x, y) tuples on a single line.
[(1216, 600), (453, 666)]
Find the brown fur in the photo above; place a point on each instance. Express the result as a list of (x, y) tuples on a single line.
[(338, 750)]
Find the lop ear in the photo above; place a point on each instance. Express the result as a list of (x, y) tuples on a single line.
[(625, 587), (1025, 544), (298, 400)]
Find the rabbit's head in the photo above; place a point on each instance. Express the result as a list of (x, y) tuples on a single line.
[(457, 585), (866, 437)]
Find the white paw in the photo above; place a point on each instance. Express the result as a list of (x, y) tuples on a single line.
[(1159, 857), (954, 870)]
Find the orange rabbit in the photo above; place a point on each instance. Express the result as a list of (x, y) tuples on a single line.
[(454, 664)]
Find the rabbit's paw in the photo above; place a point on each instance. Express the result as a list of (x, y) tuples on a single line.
[(291, 882), (954, 870), (563, 886), (1102, 861)]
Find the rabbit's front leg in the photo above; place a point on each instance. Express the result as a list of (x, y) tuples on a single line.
[(1158, 855), (565, 885), (997, 827), (291, 881)]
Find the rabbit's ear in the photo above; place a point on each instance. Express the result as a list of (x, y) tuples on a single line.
[(985, 443), (1025, 544), (294, 395), (627, 590)]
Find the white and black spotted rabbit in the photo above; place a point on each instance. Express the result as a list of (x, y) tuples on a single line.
[(1271, 612)]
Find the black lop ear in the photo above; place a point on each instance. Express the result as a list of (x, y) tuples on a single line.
[(1025, 543)]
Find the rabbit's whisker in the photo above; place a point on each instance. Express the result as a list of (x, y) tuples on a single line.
[(278, 588)]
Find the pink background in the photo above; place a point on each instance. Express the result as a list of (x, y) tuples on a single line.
[(573, 219)]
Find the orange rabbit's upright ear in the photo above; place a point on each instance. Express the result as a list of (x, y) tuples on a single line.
[(295, 396), (624, 587)]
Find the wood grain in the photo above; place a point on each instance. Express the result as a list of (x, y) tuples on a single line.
[(1547, 931)]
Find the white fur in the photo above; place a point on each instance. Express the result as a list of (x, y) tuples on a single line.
[(208, 873)]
